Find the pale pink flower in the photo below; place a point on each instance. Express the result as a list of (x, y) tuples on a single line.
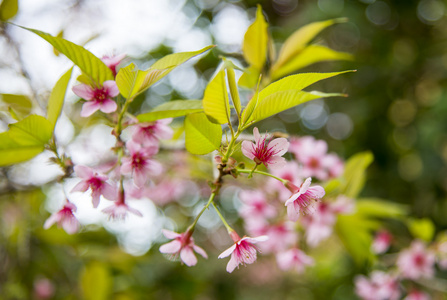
[(417, 295), (380, 286), (43, 288), (319, 225), (161, 193), (266, 151), (303, 200), (140, 163), (113, 61), (281, 236), (255, 205), (99, 98), (242, 252), (118, 211), (294, 259), (183, 246), (150, 133), (291, 172), (416, 261), (64, 218), (381, 242), (312, 154), (96, 182)]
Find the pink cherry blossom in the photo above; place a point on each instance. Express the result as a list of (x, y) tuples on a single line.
[(291, 172), (242, 252), (417, 295), (303, 200), (380, 286), (150, 133), (64, 218), (416, 262), (312, 154), (43, 289), (183, 246), (118, 211), (140, 163), (255, 205), (294, 259), (96, 182), (381, 242), (98, 98), (281, 236), (266, 151), (113, 61)]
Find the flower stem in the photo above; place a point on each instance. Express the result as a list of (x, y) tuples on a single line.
[(193, 225), (230, 147), (229, 229), (284, 181)]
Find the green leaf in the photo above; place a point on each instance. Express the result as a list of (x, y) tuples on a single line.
[(12, 152), (96, 282), (176, 59), (131, 82), (423, 229), (234, 91), (251, 106), (201, 136), (215, 99), (8, 9), (20, 104), (378, 208), (354, 173), (249, 78), (56, 101), (34, 130), (172, 109), (299, 39), (91, 65), (310, 55), (255, 41)]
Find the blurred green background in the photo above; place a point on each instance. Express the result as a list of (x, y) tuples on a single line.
[(396, 108)]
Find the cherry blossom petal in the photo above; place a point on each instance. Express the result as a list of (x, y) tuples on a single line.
[(111, 87), (84, 91), (227, 252), (171, 247), (200, 251), (170, 234), (188, 257), (89, 108)]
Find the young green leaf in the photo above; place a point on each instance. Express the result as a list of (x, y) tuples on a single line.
[(299, 39), (201, 136), (215, 101), (249, 78), (176, 59), (287, 93), (96, 281), (91, 65), (354, 173), (234, 91), (172, 109), (8, 9), (423, 229), (20, 104), (12, 152), (310, 55), (255, 41), (56, 101), (34, 130), (131, 82)]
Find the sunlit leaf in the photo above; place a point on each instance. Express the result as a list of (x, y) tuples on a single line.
[(20, 104), (96, 282), (34, 130), (12, 152), (252, 104), (172, 109), (378, 208), (215, 99), (254, 46), (287, 93), (8, 9), (354, 173), (234, 91), (201, 136), (299, 39), (91, 65), (176, 59), (132, 82), (309, 55), (56, 101), (423, 229), (249, 78)]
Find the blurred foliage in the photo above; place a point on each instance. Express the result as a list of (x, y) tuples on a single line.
[(397, 105)]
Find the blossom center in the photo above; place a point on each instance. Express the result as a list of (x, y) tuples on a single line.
[(100, 95)]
